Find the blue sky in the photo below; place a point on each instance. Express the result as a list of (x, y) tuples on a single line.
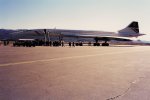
[(109, 15)]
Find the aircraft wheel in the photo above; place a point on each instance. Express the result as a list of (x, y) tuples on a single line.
[(105, 44)]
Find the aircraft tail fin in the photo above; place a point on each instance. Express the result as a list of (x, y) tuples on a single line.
[(131, 30), (134, 26)]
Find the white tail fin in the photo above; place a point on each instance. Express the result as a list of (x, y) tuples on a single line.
[(132, 30)]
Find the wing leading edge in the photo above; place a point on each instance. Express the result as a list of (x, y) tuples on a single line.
[(100, 38)]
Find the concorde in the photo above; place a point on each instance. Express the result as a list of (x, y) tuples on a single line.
[(132, 30)]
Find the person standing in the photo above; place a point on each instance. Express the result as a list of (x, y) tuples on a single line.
[(69, 44), (62, 43), (73, 44)]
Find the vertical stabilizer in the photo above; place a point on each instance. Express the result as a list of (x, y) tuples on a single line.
[(134, 26), (131, 30)]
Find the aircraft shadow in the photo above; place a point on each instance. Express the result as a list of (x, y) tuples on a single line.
[(121, 46)]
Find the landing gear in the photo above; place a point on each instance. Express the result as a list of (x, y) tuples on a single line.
[(96, 44), (105, 44)]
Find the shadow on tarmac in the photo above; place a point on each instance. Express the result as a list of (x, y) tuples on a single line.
[(121, 46)]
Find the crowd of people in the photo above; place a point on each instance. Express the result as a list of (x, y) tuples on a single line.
[(37, 43), (34, 43)]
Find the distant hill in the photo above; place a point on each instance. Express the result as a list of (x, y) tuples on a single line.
[(5, 32)]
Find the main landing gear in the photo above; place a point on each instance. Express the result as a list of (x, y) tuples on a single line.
[(105, 44)]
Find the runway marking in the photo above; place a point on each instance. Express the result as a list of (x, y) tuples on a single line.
[(64, 58)]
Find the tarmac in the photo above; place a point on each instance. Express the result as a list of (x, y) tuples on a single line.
[(75, 73)]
